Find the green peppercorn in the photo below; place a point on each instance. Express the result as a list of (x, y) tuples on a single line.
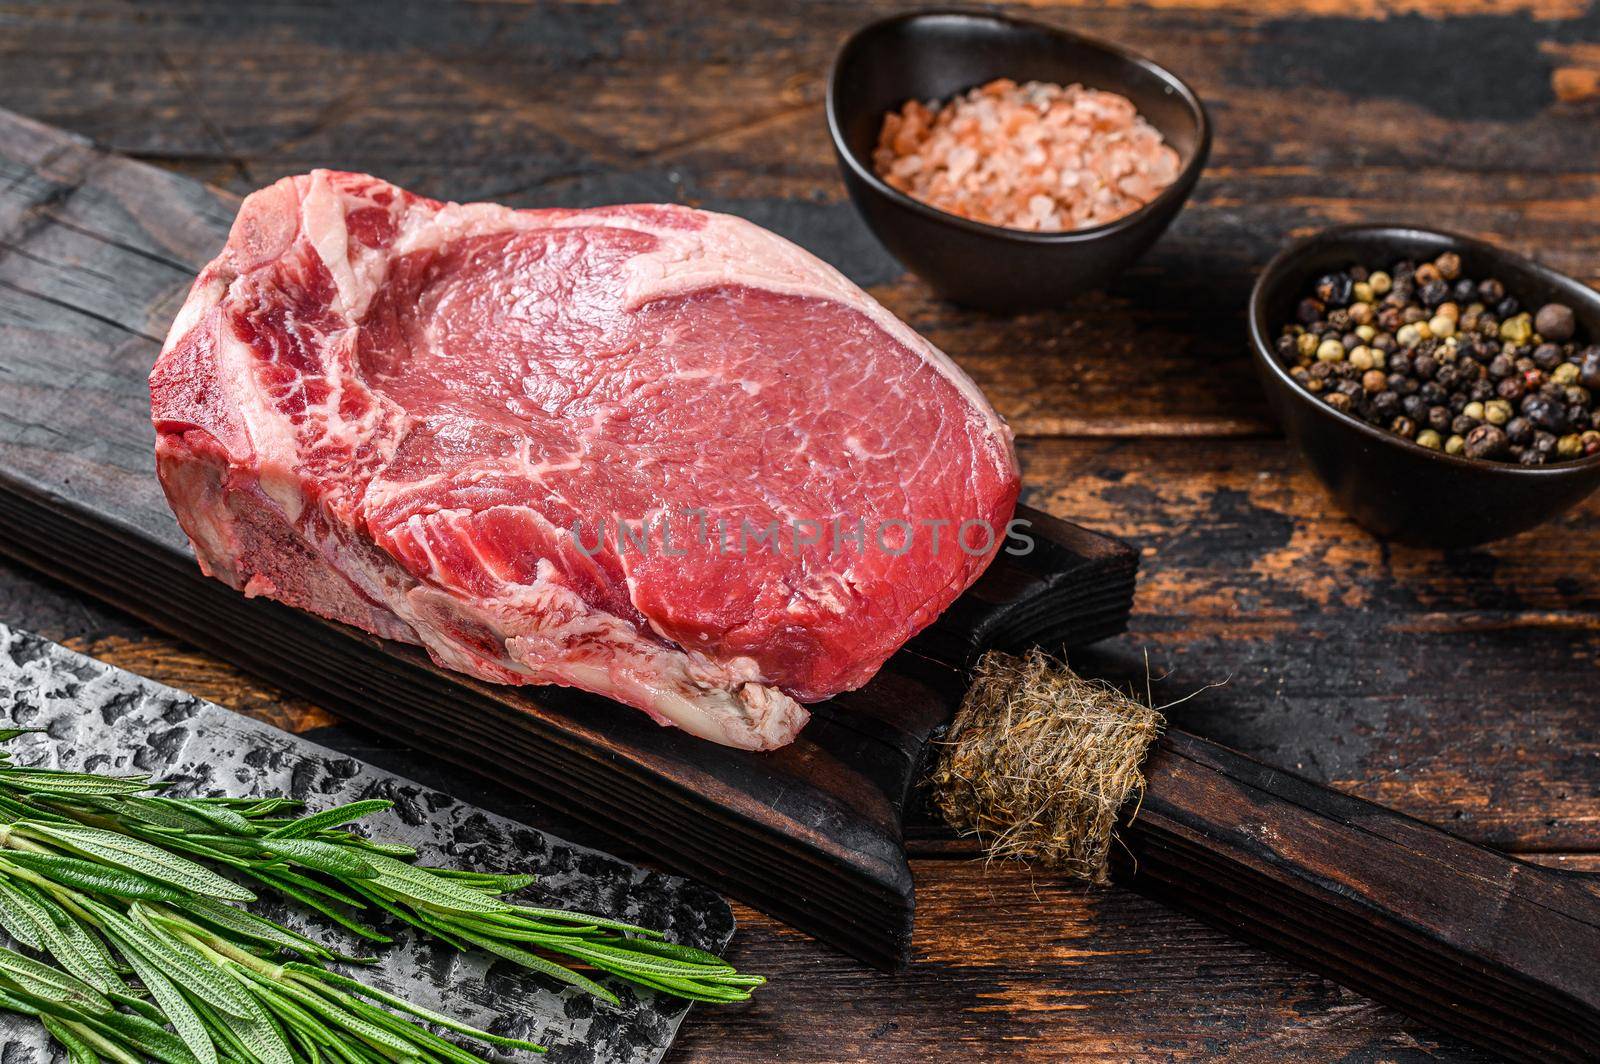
[(1330, 351), (1474, 410), (1569, 446), (1430, 439), (1380, 282), (1497, 411), (1307, 344), (1591, 441), (1517, 330), (1455, 445), (1565, 374), (1363, 293)]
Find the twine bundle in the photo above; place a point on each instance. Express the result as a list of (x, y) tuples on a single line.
[(1039, 761)]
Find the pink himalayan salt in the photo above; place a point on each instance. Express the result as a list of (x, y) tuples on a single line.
[(1034, 156)]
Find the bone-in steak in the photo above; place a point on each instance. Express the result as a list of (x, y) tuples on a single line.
[(648, 451)]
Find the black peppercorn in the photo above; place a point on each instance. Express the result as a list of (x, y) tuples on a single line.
[(1555, 321), (1502, 366), (1548, 356), (1425, 366), (1545, 414), (1334, 289), (1507, 308), (1531, 457), (1431, 393), (1486, 441), (1415, 407), (1309, 311), (1464, 291), (1511, 388), (1433, 293), (1544, 442), (1491, 291), (1386, 404), (1461, 424), (1519, 430), (1439, 418), (1589, 368)]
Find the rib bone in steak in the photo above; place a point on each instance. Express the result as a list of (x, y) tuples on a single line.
[(431, 421)]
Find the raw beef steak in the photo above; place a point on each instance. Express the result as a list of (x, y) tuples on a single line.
[(655, 453)]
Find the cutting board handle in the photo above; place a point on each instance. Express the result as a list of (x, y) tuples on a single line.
[(1500, 952)]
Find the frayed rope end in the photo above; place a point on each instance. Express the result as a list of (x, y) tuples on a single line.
[(1038, 762)]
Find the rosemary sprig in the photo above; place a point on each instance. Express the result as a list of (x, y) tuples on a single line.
[(94, 868)]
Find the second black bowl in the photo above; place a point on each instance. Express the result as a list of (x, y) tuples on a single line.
[(1397, 488), (932, 55)]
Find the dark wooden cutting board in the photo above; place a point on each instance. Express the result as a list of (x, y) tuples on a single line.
[(98, 718), (96, 254)]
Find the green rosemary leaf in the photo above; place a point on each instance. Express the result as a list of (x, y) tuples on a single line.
[(64, 938), (329, 818), (611, 957), (175, 958), (134, 855), (140, 1005), (50, 984), (145, 1036), (215, 816), (586, 919), (49, 781), (494, 883), (536, 963), (240, 923), (78, 1051), (185, 1021), (318, 856), (673, 951), (422, 886), (260, 1034), (96, 878), (163, 813), (334, 1013), (296, 887), (361, 989), (21, 919)]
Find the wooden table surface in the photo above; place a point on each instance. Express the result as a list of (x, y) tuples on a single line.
[(1456, 686)]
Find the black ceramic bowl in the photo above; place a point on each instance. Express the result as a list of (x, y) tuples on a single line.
[(934, 55), (1399, 489)]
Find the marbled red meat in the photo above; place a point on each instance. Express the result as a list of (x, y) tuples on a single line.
[(513, 437)]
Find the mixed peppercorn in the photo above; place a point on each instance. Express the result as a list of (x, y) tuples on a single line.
[(1452, 363)]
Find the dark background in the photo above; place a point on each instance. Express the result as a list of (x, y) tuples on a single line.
[(1459, 686)]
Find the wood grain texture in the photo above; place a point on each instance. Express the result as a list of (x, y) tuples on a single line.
[(1456, 687)]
